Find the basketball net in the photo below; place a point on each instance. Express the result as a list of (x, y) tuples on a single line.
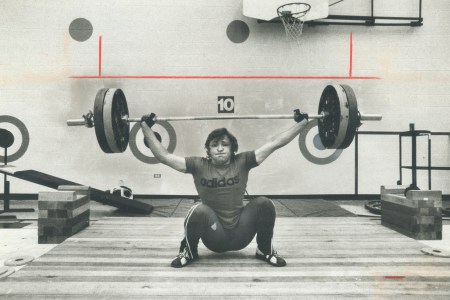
[(290, 15)]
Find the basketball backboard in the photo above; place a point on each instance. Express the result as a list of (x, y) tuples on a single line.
[(267, 9)]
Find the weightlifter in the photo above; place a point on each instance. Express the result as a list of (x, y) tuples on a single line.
[(222, 220)]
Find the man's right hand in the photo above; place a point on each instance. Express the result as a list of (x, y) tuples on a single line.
[(150, 119)]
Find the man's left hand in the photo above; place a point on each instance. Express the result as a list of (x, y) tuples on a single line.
[(149, 119), (298, 116)]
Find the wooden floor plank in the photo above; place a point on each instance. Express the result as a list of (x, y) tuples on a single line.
[(131, 289), (120, 257)]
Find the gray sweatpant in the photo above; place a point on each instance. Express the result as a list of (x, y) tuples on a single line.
[(257, 217)]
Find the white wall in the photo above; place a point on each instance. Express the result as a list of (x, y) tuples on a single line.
[(39, 58)]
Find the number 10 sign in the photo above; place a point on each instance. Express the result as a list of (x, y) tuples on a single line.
[(225, 104)]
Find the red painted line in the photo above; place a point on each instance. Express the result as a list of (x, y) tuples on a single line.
[(100, 56), (394, 277), (351, 55), (100, 76), (224, 77)]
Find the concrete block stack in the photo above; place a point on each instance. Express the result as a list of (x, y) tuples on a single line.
[(417, 215), (62, 213)]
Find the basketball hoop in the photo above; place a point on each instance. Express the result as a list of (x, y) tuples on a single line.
[(291, 15)]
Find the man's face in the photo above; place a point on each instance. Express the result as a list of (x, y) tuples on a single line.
[(220, 150)]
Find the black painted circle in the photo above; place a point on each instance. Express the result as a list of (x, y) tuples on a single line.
[(150, 159), (238, 31), (80, 29), (25, 138), (6, 138)]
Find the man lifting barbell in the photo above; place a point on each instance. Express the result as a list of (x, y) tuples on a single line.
[(222, 220)]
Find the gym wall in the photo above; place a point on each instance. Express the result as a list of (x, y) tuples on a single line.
[(176, 58)]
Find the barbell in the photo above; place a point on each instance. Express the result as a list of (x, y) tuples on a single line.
[(338, 117)]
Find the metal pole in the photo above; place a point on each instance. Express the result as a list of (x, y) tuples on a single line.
[(429, 161), (413, 156), (399, 182), (420, 9), (6, 186), (356, 162)]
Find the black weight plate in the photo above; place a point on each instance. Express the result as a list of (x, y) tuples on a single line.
[(98, 121), (123, 128), (354, 119), (329, 125), (117, 131)]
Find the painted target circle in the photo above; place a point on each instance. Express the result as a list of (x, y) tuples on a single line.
[(142, 156), (307, 154), (25, 138)]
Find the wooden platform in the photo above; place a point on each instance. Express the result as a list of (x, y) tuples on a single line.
[(128, 258)]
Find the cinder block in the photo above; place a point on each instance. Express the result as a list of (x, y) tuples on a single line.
[(69, 230), (79, 189), (413, 211), (57, 196), (416, 199), (66, 205), (425, 195)]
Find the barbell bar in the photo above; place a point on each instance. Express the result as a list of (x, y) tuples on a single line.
[(364, 117), (338, 117)]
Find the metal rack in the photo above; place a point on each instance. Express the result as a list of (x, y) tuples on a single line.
[(413, 134)]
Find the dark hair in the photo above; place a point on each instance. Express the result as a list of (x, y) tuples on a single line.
[(219, 133)]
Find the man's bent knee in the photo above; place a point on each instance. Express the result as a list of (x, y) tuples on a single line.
[(264, 202)]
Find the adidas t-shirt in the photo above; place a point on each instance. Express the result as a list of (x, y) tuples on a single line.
[(222, 187)]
